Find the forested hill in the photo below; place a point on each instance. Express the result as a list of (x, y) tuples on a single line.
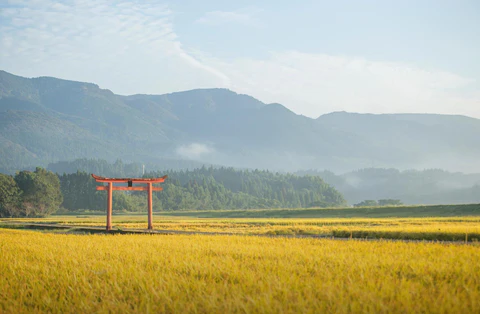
[(209, 188), (45, 120), (430, 186)]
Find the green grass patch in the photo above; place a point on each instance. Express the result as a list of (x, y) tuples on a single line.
[(362, 212)]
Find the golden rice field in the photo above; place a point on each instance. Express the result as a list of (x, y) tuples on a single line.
[(66, 273), (440, 228)]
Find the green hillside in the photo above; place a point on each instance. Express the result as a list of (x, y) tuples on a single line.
[(45, 120)]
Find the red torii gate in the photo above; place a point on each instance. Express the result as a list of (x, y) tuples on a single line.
[(110, 188)]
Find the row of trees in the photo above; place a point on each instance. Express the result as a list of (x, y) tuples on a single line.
[(208, 188), (384, 202), (29, 193), (41, 192), (119, 168)]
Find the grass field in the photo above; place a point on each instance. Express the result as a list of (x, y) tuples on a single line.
[(441, 223), (59, 273), (360, 212), (65, 271), (441, 229), (349, 212)]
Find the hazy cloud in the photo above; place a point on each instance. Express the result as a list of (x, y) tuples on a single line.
[(244, 16), (130, 47), (313, 84), (194, 151)]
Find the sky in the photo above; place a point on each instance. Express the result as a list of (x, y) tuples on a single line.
[(314, 57)]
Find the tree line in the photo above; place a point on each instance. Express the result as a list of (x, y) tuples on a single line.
[(41, 192), (382, 202), (208, 188)]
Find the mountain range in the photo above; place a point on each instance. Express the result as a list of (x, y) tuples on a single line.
[(45, 119)]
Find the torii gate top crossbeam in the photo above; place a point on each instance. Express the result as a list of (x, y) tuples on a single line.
[(133, 180)]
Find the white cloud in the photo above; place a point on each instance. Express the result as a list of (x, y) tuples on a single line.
[(244, 16), (194, 151), (314, 84), (129, 47)]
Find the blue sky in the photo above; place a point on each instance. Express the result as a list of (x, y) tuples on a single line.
[(313, 57)]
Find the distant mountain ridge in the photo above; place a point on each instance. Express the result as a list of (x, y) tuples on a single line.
[(44, 120)]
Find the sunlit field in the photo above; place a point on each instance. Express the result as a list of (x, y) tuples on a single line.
[(440, 228), (44, 272)]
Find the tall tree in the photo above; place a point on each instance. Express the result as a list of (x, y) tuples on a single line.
[(41, 195), (9, 197)]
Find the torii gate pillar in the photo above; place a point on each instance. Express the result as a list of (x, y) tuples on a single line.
[(109, 205), (150, 207), (110, 188)]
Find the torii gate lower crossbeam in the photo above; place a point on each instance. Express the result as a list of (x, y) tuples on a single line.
[(110, 188)]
